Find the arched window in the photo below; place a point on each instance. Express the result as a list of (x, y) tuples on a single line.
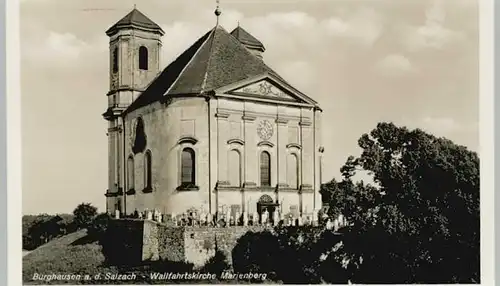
[(265, 169), (147, 170), (140, 140), (188, 166), (115, 60), (234, 164), (143, 58), (292, 171), (131, 173)]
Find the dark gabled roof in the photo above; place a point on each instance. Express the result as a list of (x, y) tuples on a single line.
[(159, 86), (135, 19), (215, 60), (247, 39)]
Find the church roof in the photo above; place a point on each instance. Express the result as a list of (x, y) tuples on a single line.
[(215, 60), (246, 38), (137, 19)]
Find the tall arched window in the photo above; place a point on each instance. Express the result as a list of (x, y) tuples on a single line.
[(147, 170), (140, 140), (292, 171), (131, 173), (115, 60), (234, 165), (143, 58), (188, 166), (265, 169)]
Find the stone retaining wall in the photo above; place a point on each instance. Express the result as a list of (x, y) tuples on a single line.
[(201, 243), (146, 240)]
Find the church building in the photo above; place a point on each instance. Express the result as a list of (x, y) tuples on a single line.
[(216, 129)]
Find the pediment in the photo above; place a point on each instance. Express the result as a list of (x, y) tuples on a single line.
[(264, 88)]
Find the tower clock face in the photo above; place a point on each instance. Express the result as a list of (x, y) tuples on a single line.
[(265, 130)]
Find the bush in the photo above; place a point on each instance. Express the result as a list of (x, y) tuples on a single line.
[(40, 229), (291, 255), (257, 252), (216, 264), (84, 214), (97, 229)]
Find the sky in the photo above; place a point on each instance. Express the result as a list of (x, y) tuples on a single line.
[(412, 62)]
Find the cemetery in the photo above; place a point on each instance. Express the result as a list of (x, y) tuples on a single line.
[(195, 236)]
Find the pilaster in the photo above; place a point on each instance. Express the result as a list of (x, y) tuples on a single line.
[(307, 137), (318, 149), (281, 151), (213, 131), (223, 136), (250, 175)]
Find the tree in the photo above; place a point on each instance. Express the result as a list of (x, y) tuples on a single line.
[(290, 255), (97, 229), (217, 264), (84, 213), (419, 220)]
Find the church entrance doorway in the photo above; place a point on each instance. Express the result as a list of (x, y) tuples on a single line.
[(266, 203)]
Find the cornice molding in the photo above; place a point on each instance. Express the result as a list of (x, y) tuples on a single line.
[(236, 141), (229, 111), (305, 123), (222, 115), (187, 139), (265, 143), (306, 188), (293, 145), (281, 120), (123, 88), (247, 117)]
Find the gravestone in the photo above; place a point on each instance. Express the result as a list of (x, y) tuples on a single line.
[(209, 219), (276, 217), (255, 218), (237, 218), (294, 210), (329, 224), (203, 218), (315, 218), (265, 217), (245, 218), (227, 218)]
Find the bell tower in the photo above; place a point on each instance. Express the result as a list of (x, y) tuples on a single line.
[(134, 48), (134, 61)]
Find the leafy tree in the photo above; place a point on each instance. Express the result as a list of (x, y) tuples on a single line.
[(217, 264), (419, 220), (66, 224), (39, 229), (257, 252), (296, 255), (84, 213), (97, 229)]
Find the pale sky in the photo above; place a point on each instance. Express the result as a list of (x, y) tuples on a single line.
[(414, 63)]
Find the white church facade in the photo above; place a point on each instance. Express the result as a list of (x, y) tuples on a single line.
[(217, 128)]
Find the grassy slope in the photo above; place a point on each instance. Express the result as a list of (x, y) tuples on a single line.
[(63, 255), (74, 254)]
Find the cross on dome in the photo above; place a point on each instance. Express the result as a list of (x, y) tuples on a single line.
[(217, 12)]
